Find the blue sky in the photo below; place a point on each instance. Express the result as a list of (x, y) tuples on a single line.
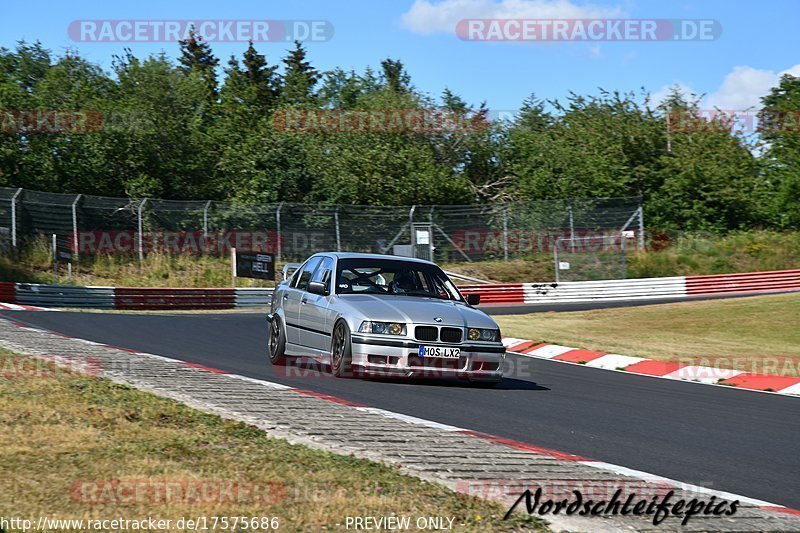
[(758, 42)]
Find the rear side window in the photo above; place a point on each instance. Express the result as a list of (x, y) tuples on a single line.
[(305, 274)]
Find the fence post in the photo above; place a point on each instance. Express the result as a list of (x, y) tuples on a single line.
[(14, 219), (641, 228), (338, 237), (624, 263), (75, 226), (430, 221), (54, 251), (555, 257), (233, 267), (139, 245), (505, 232), (411, 230), (571, 227), (278, 223), (205, 220)]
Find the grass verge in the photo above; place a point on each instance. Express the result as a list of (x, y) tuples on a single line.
[(73, 445), (678, 254), (754, 334)]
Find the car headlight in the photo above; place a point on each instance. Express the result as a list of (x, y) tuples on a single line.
[(384, 328), (476, 334)]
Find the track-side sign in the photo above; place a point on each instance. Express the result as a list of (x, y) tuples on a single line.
[(64, 255), (61, 251), (258, 266)]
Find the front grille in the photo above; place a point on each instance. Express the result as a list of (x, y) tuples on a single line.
[(451, 334), (426, 333)]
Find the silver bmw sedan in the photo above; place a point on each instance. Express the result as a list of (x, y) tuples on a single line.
[(382, 315)]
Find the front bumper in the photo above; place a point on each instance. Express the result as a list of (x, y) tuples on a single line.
[(400, 358)]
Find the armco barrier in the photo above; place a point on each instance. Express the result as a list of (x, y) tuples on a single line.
[(496, 294), (779, 280), (67, 296), (256, 297), (157, 298), (609, 290), (8, 293), (579, 291), (40, 295), (636, 289)]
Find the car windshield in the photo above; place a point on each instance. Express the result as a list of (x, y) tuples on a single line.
[(392, 276)]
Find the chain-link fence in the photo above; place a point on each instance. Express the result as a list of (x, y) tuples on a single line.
[(592, 258), (104, 225)]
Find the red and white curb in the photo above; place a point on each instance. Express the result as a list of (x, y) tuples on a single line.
[(517, 445), (18, 307), (708, 375)]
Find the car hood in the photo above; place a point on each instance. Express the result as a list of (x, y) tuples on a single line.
[(417, 310)]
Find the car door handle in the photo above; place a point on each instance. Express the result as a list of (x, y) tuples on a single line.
[(304, 300), (285, 296)]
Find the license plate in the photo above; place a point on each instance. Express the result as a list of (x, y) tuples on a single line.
[(439, 351)]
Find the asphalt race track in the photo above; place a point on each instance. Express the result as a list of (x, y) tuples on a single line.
[(721, 438)]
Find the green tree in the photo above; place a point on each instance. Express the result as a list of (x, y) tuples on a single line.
[(158, 130), (261, 77), (594, 146), (779, 127), (197, 59), (299, 77), (394, 75)]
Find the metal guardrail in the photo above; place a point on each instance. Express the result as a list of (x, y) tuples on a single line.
[(8, 293), (467, 278), (636, 289), (507, 293), (778, 280), (145, 298), (41, 295), (253, 298), (625, 289)]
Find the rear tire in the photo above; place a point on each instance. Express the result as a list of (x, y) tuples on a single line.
[(341, 351), (277, 342)]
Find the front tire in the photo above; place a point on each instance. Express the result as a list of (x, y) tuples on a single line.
[(277, 342), (341, 351)]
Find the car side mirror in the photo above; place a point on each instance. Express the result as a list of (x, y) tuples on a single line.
[(473, 299), (317, 287)]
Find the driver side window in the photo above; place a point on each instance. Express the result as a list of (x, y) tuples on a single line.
[(323, 273), (305, 275)]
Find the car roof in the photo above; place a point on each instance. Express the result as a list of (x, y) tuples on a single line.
[(355, 255)]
